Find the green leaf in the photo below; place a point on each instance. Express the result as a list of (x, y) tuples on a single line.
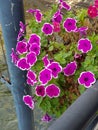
[(39, 100), (60, 58), (82, 89), (51, 48), (45, 105)]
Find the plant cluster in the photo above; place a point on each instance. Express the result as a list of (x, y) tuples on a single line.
[(60, 57)]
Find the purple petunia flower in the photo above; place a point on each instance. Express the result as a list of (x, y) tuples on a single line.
[(57, 19), (45, 76), (47, 29), (55, 68), (70, 24), (77, 56), (32, 76), (21, 47), (21, 31), (28, 101), (46, 60), (30, 82), (22, 64), (34, 38), (86, 79), (51, 60), (22, 27), (82, 31), (20, 34), (46, 118), (57, 13), (40, 91), (59, 1), (31, 11), (14, 56), (52, 91), (35, 48), (84, 45), (38, 16), (70, 68), (31, 58), (65, 5)]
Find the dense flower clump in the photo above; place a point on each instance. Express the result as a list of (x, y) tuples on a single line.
[(56, 70)]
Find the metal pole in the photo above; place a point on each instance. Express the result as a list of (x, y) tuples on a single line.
[(11, 13), (80, 112)]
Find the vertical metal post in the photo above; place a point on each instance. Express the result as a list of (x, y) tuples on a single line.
[(11, 13)]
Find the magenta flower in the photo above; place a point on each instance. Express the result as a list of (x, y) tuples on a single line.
[(51, 60), (92, 11), (40, 91), (21, 47), (35, 48), (30, 82), (46, 60), (45, 76), (28, 101), (14, 56), (56, 27), (84, 45), (21, 31), (38, 16), (20, 35), (46, 118), (57, 13), (86, 79), (22, 27), (31, 58), (70, 68), (77, 56), (32, 11), (22, 64), (82, 31), (55, 68), (65, 5), (59, 1), (52, 91), (70, 24), (32, 76), (47, 29), (96, 3), (58, 18), (34, 38)]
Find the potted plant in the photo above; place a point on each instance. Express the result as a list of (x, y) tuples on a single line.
[(60, 56)]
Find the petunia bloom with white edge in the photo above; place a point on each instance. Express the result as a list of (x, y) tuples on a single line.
[(28, 100), (52, 91), (70, 68), (40, 90), (47, 29), (84, 45), (45, 76), (87, 79), (56, 68)]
